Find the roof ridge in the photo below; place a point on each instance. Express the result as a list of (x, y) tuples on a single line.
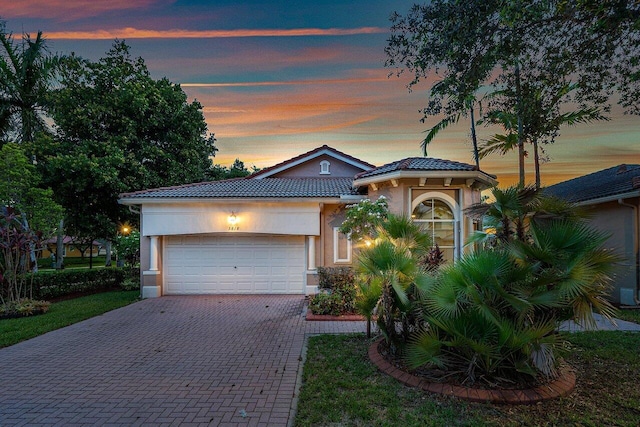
[(308, 153)]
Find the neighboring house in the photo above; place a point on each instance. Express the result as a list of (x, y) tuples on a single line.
[(71, 248), (613, 198), (267, 233)]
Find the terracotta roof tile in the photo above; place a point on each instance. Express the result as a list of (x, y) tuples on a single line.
[(418, 164), (254, 188)]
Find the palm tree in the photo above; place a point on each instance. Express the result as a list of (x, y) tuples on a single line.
[(26, 72), (540, 122), (450, 120)]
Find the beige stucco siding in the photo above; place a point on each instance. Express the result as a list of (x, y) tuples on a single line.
[(618, 221)]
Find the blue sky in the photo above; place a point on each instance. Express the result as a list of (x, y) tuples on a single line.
[(277, 78)]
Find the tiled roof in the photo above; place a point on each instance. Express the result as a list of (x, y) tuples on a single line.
[(253, 188), (605, 183), (418, 164), (309, 154)]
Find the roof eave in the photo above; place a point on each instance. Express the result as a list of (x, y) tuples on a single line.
[(479, 176), (137, 201), (611, 198)]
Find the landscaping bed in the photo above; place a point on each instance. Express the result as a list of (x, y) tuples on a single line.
[(342, 387)]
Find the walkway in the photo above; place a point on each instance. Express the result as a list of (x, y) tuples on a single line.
[(189, 361)]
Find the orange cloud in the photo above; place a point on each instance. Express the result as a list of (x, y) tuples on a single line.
[(134, 33), (69, 9), (288, 83)]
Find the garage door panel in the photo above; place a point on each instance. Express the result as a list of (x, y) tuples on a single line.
[(234, 264)]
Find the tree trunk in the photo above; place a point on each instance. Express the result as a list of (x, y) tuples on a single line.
[(519, 115), (107, 262), (536, 161), (474, 138), (60, 246), (91, 254)]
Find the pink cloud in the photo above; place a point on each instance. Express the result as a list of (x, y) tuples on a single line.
[(69, 9)]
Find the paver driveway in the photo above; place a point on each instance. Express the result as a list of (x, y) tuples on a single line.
[(201, 360)]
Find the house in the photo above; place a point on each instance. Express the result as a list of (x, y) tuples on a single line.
[(613, 198), (72, 248), (267, 233)]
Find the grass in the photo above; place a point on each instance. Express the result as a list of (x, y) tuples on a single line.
[(342, 388), (63, 313), (630, 315)]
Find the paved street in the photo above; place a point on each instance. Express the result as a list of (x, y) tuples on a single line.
[(189, 360)]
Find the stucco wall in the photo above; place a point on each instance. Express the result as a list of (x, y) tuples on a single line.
[(618, 221), (311, 168), (265, 218)]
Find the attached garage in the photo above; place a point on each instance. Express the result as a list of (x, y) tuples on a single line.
[(249, 264)]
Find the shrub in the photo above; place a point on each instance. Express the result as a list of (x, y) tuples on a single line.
[(326, 304), (339, 282), (54, 284), (23, 307), (493, 315)]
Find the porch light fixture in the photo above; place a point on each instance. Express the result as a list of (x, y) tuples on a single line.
[(232, 219)]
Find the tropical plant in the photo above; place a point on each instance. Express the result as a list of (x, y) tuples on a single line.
[(492, 317), (513, 209), (26, 73), (392, 266), (541, 120), (16, 244)]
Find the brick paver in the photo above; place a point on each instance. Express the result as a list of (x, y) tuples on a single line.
[(192, 360)]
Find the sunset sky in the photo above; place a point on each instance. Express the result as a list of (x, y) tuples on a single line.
[(277, 78)]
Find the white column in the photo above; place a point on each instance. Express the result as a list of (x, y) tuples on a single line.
[(311, 244), (153, 254)]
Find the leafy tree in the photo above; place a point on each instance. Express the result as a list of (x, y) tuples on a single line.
[(513, 46), (19, 190), (236, 170), (118, 130), (26, 73)]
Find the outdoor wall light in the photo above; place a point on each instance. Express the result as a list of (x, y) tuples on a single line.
[(232, 219)]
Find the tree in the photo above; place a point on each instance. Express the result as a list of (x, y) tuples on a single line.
[(542, 120), (236, 170), (118, 130), (26, 72), (20, 191), (469, 46)]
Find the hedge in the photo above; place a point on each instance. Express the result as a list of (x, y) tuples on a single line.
[(58, 283)]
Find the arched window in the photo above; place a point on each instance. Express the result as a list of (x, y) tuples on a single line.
[(438, 219), (324, 167)]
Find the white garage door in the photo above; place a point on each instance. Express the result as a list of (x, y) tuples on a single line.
[(234, 264)]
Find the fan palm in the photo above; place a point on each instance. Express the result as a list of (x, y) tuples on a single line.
[(392, 266)]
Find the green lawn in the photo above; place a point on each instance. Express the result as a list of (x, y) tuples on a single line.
[(631, 315), (61, 314), (342, 388)]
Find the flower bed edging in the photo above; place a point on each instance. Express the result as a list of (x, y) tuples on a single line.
[(558, 388)]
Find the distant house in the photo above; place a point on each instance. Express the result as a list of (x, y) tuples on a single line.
[(267, 233), (72, 248), (614, 198)]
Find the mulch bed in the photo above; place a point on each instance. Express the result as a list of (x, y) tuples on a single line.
[(562, 386)]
